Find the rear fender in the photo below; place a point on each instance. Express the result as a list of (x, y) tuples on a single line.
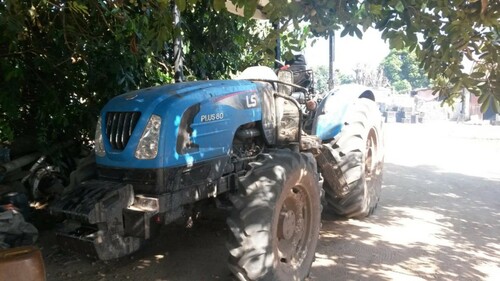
[(331, 112)]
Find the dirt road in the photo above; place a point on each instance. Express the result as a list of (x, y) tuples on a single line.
[(438, 219), (439, 215)]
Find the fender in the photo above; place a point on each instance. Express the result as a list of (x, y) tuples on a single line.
[(332, 110)]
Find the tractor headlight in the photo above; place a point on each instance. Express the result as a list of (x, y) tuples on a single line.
[(99, 143), (148, 144)]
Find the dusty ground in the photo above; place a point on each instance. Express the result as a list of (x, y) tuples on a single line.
[(439, 215), (438, 219)]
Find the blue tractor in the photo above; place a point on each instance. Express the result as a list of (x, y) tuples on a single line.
[(265, 145)]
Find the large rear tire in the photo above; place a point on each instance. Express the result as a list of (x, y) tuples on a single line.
[(275, 223), (360, 147)]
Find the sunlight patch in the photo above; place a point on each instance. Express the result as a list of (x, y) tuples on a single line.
[(490, 270), (410, 227), (401, 276), (324, 261), (451, 195), (328, 234), (494, 246)]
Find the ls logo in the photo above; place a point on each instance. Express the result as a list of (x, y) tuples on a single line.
[(251, 100)]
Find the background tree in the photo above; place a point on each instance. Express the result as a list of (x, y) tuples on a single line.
[(364, 75), (345, 78), (402, 70), (60, 61), (402, 86), (441, 33), (218, 44), (321, 79)]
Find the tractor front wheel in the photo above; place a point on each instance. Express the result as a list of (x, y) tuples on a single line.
[(274, 227)]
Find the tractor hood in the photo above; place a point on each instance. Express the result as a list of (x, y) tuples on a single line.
[(194, 117), (146, 100)]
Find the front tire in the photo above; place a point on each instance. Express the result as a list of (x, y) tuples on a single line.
[(275, 223), (360, 148)]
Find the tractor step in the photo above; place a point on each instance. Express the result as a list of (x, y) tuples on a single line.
[(95, 219), (80, 240), (96, 243), (95, 202)]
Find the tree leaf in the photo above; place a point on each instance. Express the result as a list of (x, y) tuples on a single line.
[(496, 106), (468, 82), (400, 7), (383, 23), (181, 5), (250, 8), (345, 31), (475, 90), (396, 43), (485, 105), (483, 97), (457, 87), (358, 32), (477, 75), (219, 5), (484, 55), (376, 9)]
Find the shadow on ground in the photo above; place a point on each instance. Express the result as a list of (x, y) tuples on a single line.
[(429, 225), (177, 254)]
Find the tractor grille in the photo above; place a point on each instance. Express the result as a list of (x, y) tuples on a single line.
[(119, 127)]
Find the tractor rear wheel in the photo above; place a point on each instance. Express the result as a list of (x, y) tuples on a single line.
[(275, 223), (360, 147)]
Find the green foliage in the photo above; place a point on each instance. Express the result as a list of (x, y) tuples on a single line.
[(402, 70), (293, 40), (218, 44), (345, 78), (441, 33), (60, 61), (402, 86), (321, 79)]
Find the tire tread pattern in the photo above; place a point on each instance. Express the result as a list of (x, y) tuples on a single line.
[(250, 242), (361, 199)]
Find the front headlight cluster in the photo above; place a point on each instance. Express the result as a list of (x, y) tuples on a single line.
[(99, 143), (148, 144)]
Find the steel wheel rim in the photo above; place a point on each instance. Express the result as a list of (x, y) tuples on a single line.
[(294, 229), (369, 157)]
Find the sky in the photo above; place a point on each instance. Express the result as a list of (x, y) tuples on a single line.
[(349, 51)]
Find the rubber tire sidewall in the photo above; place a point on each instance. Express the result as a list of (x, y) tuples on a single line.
[(286, 170), (362, 198)]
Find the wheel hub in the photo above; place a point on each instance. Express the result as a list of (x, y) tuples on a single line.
[(369, 158), (287, 222), (292, 232)]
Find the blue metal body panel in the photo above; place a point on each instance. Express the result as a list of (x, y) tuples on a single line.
[(332, 110), (223, 107)]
